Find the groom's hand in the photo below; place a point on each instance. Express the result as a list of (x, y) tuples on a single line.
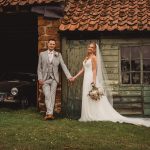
[(41, 82), (71, 80)]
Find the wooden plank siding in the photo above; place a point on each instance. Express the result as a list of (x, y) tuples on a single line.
[(128, 99), (146, 96)]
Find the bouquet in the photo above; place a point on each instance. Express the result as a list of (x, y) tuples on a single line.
[(96, 93)]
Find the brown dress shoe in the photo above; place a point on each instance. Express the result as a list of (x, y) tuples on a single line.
[(49, 117)]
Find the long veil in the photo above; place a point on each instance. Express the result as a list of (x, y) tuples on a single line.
[(103, 110), (102, 75)]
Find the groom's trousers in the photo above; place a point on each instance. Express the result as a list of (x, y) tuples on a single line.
[(49, 90)]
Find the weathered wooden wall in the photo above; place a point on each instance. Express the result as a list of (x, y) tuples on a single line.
[(128, 99), (73, 53)]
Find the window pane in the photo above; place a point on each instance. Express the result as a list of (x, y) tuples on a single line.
[(125, 53), (125, 65), (146, 78), (135, 65), (146, 65), (125, 78), (135, 78), (135, 52), (146, 51)]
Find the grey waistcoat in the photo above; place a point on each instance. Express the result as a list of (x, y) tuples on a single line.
[(50, 73)]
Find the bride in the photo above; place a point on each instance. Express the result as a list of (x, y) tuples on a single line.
[(100, 110)]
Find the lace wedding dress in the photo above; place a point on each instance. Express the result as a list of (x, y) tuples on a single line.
[(101, 110)]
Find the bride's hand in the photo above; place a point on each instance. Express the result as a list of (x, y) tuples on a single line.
[(72, 79)]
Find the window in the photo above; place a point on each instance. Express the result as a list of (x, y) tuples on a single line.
[(135, 64)]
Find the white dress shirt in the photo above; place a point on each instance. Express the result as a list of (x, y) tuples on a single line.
[(50, 55)]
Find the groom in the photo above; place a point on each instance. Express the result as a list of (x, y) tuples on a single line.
[(48, 75)]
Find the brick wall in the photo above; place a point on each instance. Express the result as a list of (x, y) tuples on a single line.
[(48, 29)]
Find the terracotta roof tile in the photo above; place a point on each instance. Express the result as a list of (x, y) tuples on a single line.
[(100, 15), (4, 3)]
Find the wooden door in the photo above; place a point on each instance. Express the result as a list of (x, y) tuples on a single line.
[(73, 52)]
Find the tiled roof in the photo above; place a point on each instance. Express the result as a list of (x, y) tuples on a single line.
[(100, 15), (25, 2)]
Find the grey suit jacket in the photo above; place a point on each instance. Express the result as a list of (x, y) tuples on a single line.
[(43, 66)]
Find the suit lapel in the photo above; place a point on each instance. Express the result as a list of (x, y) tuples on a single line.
[(54, 57)]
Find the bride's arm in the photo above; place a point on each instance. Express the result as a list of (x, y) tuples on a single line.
[(79, 73), (94, 66)]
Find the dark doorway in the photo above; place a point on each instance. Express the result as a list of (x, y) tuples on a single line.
[(18, 42)]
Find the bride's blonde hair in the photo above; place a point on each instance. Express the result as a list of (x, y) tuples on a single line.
[(94, 52)]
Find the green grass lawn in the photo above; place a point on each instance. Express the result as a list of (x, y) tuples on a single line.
[(26, 130)]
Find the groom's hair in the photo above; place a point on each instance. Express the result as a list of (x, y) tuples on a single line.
[(52, 40)]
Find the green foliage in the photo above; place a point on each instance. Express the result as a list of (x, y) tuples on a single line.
[(26, 130)]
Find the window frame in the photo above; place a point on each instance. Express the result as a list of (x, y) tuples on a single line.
[(141, 64)]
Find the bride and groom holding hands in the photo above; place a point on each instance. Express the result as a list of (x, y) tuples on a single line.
[(94, 72)]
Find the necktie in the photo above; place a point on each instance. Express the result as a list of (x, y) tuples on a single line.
[(50, 56)]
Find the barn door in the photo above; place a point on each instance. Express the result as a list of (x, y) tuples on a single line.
[(73, 52)]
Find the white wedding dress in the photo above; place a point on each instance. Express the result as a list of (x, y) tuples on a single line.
[(101, 110)]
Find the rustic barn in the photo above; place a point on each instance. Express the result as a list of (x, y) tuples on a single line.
[(25, 28), (122, 30)]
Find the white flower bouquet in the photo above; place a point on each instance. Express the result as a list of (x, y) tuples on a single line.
[(96, 93)]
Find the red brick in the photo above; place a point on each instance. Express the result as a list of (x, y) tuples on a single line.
[(56, 23), (41, 45), (41, 30), (51, 31), (41, 21), (44, 38)]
